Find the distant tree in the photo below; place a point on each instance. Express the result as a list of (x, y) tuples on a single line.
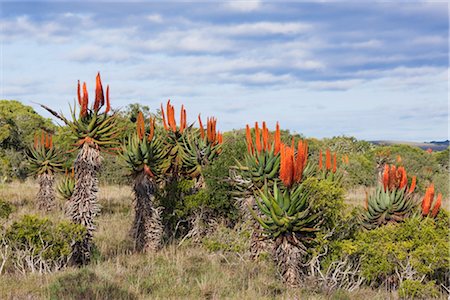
[(18, 123)]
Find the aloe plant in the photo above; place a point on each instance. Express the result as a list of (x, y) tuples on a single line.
[(92, 131), (45, 160)]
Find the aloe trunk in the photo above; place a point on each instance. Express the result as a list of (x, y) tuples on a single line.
[(46, 194), (82, 207), (288, 253), (147, 228)]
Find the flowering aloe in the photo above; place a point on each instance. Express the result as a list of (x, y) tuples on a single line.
[(92, 131), (201, 147), (286, 215), (262, 161), (141, 152), (330, 171), (392, 201), (430, 203), (45, 160)]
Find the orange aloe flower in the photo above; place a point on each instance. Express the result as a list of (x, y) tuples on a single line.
[(35, 144), (437, 205), (85, 101), (79, 94), (292, 167), (277, 139), (202, 130), (140, 126), (108, 104), (413, 185), (403, 178), (257, 138), (99, 97), (328, 160), (426, 202), (248, 136), (386, 177)]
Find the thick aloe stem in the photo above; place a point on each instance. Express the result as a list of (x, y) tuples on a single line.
[(147, 230), (46, 194), (288, 254), (82, 207)]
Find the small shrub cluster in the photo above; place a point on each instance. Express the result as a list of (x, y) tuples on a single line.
[(40, 245)]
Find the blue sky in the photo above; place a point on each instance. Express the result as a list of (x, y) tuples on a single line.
[(373, 70)]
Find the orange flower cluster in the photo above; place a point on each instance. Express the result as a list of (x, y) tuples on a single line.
[(170, 123), (396, 178), (140, 127), (345, 159), (83, 101), (45, 141), (264, 144), (214, 137), (292, 166), (328, 165), (428, 201)]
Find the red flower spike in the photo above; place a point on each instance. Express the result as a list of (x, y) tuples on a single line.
[(404, 178), (99, 97), (328, 160), (257, 138), (248, 136), (85, 102), (108, 104), (163, 118), (42, 139), (393, 178), (320, 160), (79, 94), (202, 130), (181, 118), (413, 185), (426, 202), (140, 126), (334, 163), (386, 177), (265, 136), (35, 144), (437, 205), (277, 139), (220, 138), (287, 165)]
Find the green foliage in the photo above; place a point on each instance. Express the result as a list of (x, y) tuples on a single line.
[(114, 170), (85, 284), (18, 123), (385, 252), (415, 289), (286, 211), (385, 207), (326, 198), (227, 239), (360, 170), (41, 238), (5, 209)]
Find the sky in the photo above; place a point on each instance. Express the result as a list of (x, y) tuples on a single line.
[(372, 70)]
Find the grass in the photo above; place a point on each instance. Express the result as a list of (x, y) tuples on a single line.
[(177, 272)]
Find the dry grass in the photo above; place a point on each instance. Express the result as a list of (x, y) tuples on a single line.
[(186, 272)]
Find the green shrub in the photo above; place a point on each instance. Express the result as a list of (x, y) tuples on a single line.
[(39, 245), (326, 198), (85, 284), (414, 289), (227, 240), (5, 209), (411, 250)]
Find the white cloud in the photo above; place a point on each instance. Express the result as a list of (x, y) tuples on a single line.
[(155, 18), (243, 5), (91, 53)]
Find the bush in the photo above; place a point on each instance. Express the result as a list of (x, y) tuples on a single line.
[(39, 245), (227, 240), (5, 209), (414, 250), (414, 289), (85, 284), (326, 198)]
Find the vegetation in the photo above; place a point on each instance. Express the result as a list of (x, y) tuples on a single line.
[(271, 211)]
